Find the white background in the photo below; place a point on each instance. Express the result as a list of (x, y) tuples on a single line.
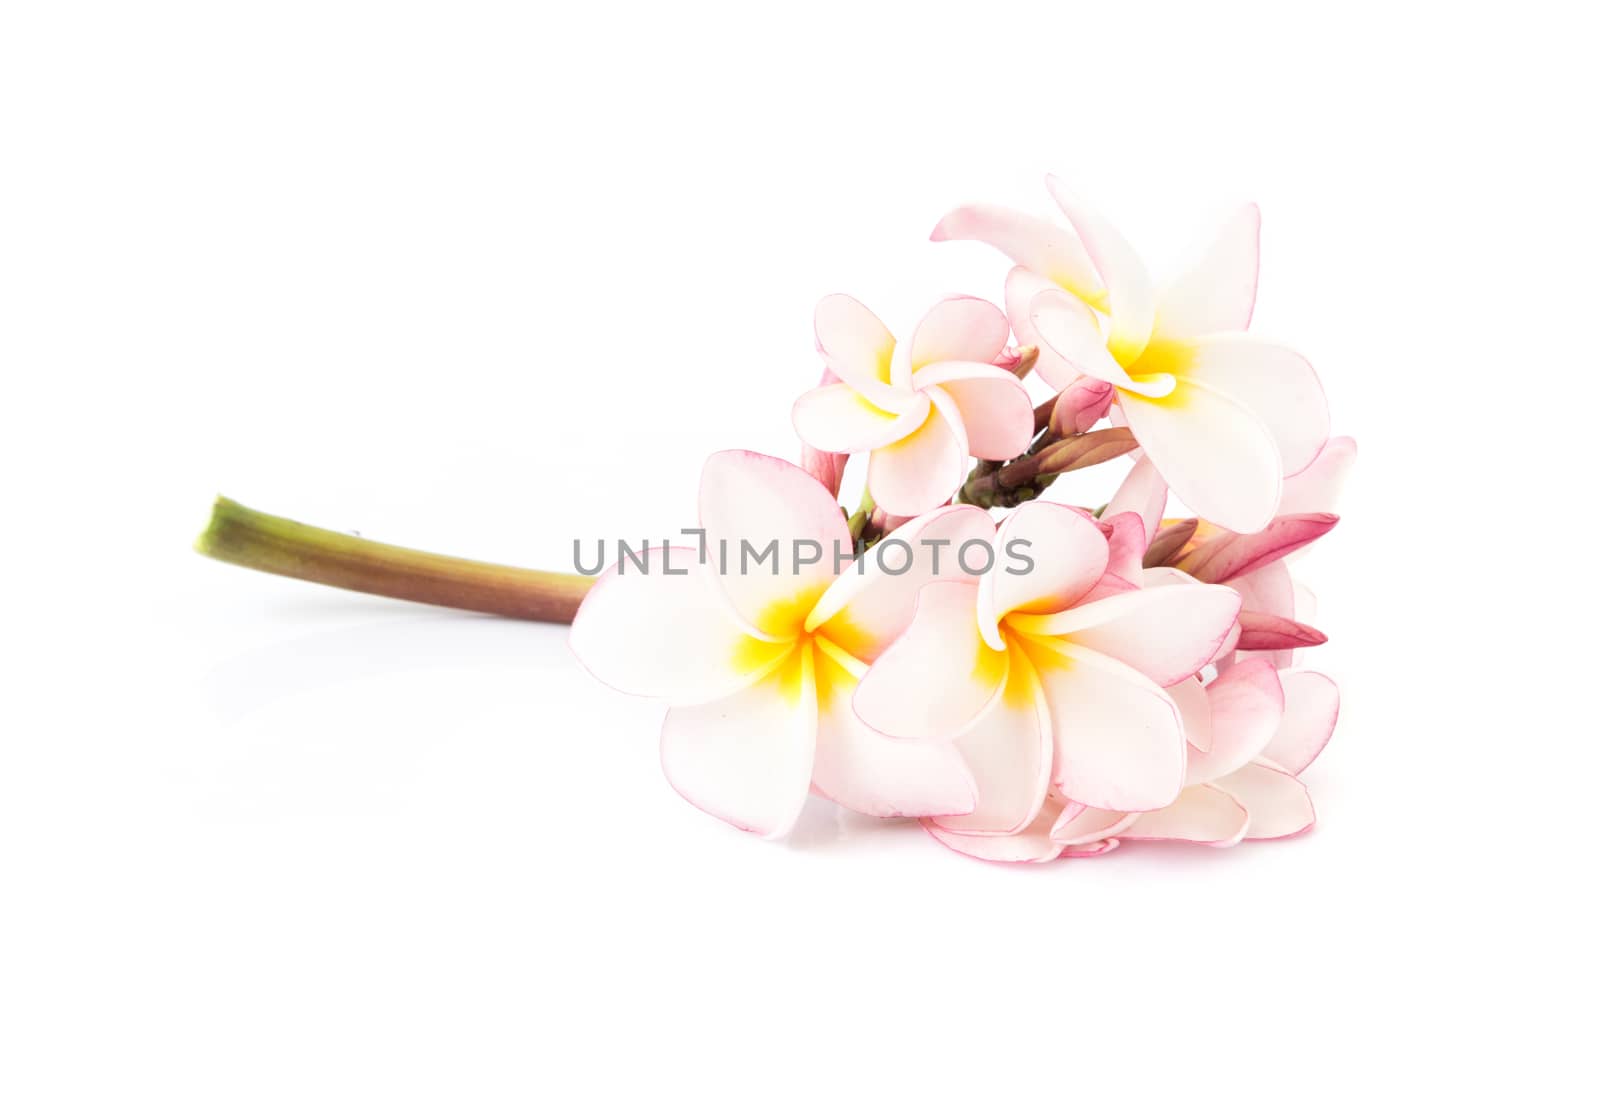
[(483, 279)]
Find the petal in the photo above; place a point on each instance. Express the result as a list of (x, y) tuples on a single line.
[(839, 419), (1008, 752), (1125, 541), (1316, 489), (1246, 703), (1079, 825), (1195, 710), (1143, 492), (868, 772), (747, 758), (1022, 285), (871, 604), (1081, 404), (1310, 711), (664, 631), (1201, 815), (939, 676), (1037, 244), (1218, 291), (856, 346), (1031, 844), (1165, 633), (1047, 556), (994, 406), (1218, 457), (1118, 741), (1278, 803), (923, 470), (1275, 384), (1128, 288), (1072, 331), (959, 328), (750, 502), (1227, 555), (1269, 590)]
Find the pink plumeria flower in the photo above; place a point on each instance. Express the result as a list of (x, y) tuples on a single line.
[(1050, 678), (1261, 728), (919, 408), (1222, 415), (759, 667)]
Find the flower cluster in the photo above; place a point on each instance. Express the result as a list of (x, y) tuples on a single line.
[(1047, 685)]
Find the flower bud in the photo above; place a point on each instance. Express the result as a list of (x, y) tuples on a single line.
[(1080, 405)]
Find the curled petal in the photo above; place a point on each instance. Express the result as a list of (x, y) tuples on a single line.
[(1128, 287), (959, 328), (839, 419), (1310, 711), (1218, 291), (1036, 244), (1264, 632), (1278, 803), (1068, 555), (1022, 285), (747, 758), (1079, 825), (1072, 331), (664, 631), (922, 470), (1031, 844), (994, 406), (1217, 456), (856, 346)]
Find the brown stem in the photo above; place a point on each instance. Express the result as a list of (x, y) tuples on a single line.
[(250, 539)]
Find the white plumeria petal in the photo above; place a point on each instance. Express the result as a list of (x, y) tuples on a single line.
[(995, 410), (924, 469), (1274, 383), (839, 419), (866, 771), (1200, 815), (1195, 710), (1079, 824), (1317, 488), (1036, 244), (664, 631), (1143, 492), (1030, 844), (856, 347), (940, 676), (872, 602), (1218, 457), (1132, 296), (1269, 590), (1008, 751), (1118, 740), (1072, 331), (1246, 704), (1310, 711), (1022, 285), (1165, 633), (751, 501), (959, 328), (747, 758), (1279, 804), (1069, 554), (1218, 290)]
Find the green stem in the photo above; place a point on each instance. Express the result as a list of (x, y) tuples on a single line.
[(250, 539)]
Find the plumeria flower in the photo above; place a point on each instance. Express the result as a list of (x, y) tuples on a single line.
[(759, 666), (1050, 678), (920, 408), (1223, 416), (1261, 728)]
